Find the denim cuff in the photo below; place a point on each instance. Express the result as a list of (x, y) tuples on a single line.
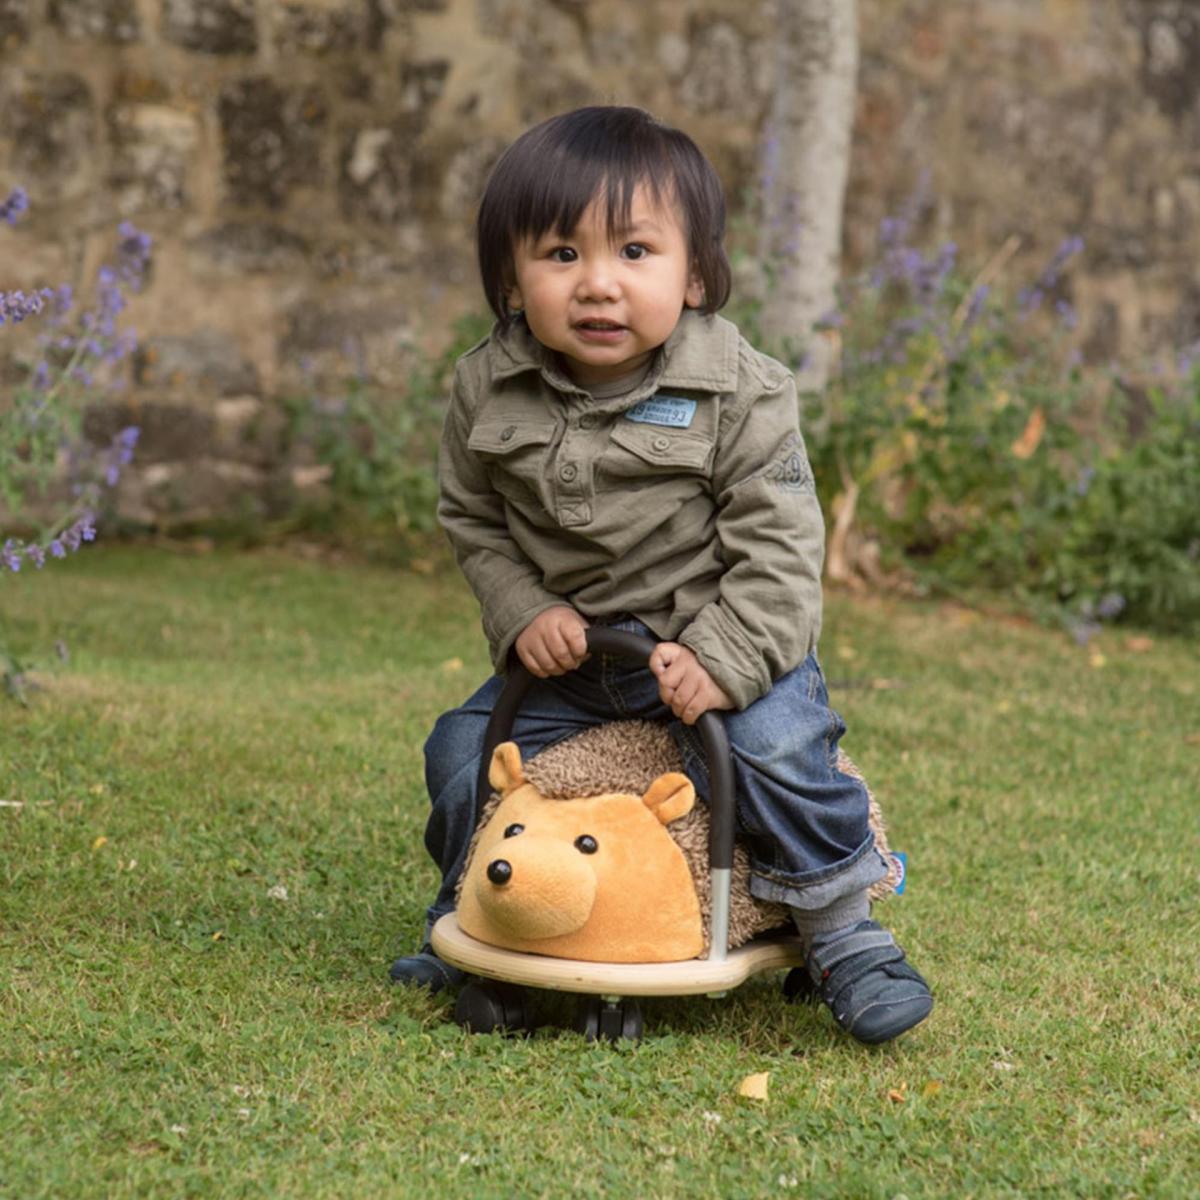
[(863, 868)]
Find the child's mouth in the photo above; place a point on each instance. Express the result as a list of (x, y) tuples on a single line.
[(599, 331)]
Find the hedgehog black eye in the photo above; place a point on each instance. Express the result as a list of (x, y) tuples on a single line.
[(586, 844), (513, 830)]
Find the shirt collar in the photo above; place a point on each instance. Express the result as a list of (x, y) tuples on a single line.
[(701, 354)]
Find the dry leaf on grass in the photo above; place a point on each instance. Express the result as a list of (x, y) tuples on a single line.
[(754, 1087)]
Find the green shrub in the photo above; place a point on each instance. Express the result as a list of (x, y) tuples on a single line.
[(961, 438)]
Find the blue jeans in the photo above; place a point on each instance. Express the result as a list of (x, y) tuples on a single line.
[(803, 821)]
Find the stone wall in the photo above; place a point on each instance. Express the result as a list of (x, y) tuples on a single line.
[(308, 170)]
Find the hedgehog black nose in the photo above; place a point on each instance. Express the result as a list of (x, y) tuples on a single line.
[(499, 872)]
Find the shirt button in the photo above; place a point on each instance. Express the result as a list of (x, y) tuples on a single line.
[(661, 443), (587, 421), (507, 432), (567, 472)]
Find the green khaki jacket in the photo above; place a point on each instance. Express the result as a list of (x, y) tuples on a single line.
[(687, 503)]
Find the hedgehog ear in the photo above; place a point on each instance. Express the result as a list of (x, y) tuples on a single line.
[(505, 772), (670, 797)]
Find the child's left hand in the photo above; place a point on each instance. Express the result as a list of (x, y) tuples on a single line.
[(683, 684)]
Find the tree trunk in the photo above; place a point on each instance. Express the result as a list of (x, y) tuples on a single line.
[(806, 157)]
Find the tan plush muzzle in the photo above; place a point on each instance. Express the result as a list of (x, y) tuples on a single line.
[(534, 887)]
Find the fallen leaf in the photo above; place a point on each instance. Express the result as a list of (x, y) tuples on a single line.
[(847, 653), (754, 1087), (452, 664), (100, 841), (1138, 643), (1097, 660), (931, 1089), (422, 566), (219, 935), (1031, 435), (898, 1095)]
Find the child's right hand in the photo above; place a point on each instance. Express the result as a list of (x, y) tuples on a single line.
[(553, 643)]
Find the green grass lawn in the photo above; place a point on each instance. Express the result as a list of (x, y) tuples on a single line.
[(210, 850)]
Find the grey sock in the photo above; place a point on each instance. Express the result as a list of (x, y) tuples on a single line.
[(817, 924)]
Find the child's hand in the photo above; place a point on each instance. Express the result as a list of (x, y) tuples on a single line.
[(553, 643), (683, 684)]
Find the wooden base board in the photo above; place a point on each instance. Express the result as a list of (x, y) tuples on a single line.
[(693, 977)]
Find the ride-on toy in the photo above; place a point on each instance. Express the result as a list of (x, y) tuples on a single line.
[(608, 1008)]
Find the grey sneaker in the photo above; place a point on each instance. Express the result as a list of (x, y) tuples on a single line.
[(425, 969), (868, 985)]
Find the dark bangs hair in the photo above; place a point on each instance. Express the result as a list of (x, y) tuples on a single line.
[(552, 172)]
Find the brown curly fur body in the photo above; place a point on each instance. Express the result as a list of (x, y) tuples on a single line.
[(627, 756)]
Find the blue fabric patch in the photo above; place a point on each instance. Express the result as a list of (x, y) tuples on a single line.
[(901, 861), (674, 411)]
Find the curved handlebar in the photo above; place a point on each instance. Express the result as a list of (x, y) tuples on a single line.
[(633, 646)]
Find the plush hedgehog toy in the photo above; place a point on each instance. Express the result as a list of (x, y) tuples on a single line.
[(596, 850)]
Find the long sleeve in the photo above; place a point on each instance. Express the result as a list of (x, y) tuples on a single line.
[(506, 582), (767, 615)]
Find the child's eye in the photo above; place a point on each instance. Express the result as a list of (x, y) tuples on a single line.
[(635, 250), (563, 254)]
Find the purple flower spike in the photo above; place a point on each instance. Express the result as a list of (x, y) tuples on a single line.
[(14, 206), (16, 306)]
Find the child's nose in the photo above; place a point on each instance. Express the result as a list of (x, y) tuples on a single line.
[(598, 281)]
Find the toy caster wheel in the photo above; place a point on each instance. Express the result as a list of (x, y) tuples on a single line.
[(602, 1020), (798, 987), (487, 1006)]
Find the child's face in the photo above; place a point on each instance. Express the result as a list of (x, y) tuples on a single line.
[(606, 304)]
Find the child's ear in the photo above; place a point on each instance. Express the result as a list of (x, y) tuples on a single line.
[(694, 296), (513, 298)]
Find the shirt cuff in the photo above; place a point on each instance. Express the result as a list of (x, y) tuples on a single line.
[(724, 651), (504, 628)]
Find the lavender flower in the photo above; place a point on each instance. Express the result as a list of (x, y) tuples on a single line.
[(45, 416), (15, 552), (119, 454), (1189, 356), (16, 306), (1030, 299), (1070, 318), (14, 206), (975, 305)]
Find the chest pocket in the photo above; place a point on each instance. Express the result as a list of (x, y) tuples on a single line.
[(643, 455), (515, 453)]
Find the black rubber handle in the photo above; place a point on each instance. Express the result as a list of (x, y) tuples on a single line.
[(618, 642)]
